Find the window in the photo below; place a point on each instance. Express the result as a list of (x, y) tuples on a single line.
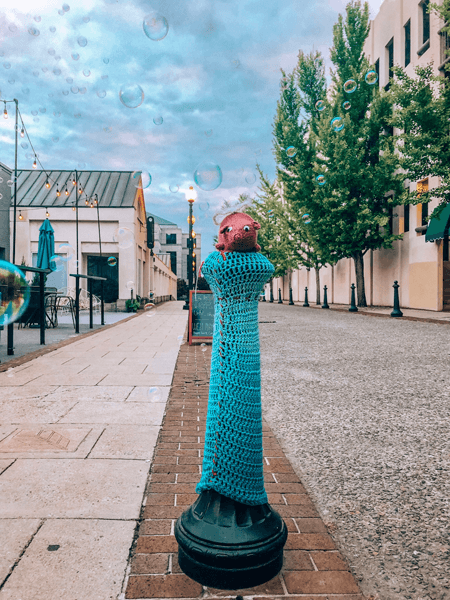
[(424, 215), (406, 218), (407, 29), (377, 68), (425, 21), (390, 61), (390, 224), (171, 238), (444, 47), (173, 262), (422, 209)]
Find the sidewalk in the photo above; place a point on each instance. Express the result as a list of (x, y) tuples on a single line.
[(77, 434)]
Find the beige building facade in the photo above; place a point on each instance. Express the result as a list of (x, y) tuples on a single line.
[(401, 34)]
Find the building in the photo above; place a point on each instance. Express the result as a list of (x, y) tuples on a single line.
[(402, 33), (172, 242), (5, 201), (111, 215)]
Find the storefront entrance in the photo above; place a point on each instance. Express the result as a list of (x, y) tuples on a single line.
[(98, 265)]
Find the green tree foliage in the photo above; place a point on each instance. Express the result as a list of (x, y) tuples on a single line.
[(423, 116), (351, 210)]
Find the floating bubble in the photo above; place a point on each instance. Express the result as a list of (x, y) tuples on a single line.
[(154, 394), (55, 139), (346, 105), (7, 65), (58, 263), (208, 176), (112, 261), (65, 92), (306, 218), (203, 347), (61, 12), (24, 145), (236, 62), (123, 237), (130, 285), (12, 28), (203, 206), (34, 112), (337, 124), (14, 293), (371, 77), (67, 252), (57, 71), (50, 94), (44, 69), (106, 61), (33, 31), (56, 114), (149, 306), (11, 81), (104, 76), (86, 72), (77, 115), (320, 105), (174, 188), (131, 95), (42, 110), (208, 132), (81, 165), (180, 339), (82, 90), (65, 7), (158, 120), (75, 56), (52, 29), (155, 27), (321, 179), (350, 86), (107, 129), (101, 93), (57, 57), (141, 179), (74, 89), (37, 18), (69, 80), (291, 151), (86, 19), (52, 51), (250, 179), (25, 90), (82, 41)]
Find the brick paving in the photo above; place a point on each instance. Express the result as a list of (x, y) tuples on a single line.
[(313, 567)]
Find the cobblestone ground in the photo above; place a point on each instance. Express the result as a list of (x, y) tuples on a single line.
[(360, 405)]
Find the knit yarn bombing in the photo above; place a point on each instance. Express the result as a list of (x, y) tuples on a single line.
[(233, 458)]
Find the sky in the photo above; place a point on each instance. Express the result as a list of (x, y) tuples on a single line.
[(210, 89)]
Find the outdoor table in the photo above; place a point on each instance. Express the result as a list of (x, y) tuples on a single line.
[(90, 278)]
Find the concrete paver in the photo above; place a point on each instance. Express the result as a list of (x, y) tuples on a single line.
[(78, 431)]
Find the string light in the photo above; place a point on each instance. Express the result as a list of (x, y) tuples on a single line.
[(80, 191), (91, 204), (193, 254), (47, 214), (22, 132), (74, 182), (86, 202), (35, 163), (58, 193), (193, 234), (96, 199), (74, 208), (5, 113), (20, 216), (47, 184), (66, 191)]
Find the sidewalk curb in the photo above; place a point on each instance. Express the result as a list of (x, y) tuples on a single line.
[(313, 566)]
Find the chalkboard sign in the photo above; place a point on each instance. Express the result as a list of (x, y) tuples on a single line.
[(201, 315)]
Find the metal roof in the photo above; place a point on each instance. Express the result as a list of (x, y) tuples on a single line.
[(162, 221), (114, 188)]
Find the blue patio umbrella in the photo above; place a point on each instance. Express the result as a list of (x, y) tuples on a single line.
[(46, 247)]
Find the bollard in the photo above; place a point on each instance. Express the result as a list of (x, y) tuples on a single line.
[(264, 297), (280, 301), (396, 312), (291, 302), (353, 307), (271, 295), (230, 537), (325, 300), (305, 303)]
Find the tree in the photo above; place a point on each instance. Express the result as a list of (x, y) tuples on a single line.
[(423, 115), (182, 288), (356, 158)]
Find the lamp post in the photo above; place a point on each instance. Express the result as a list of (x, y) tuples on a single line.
[(191, 195), (10, 331)]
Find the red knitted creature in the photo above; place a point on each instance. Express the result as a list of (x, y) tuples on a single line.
[(238, 233)]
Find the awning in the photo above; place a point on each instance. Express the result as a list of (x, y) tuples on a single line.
[(436, 227)]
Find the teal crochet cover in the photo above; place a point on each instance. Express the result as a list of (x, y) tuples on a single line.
[(233, 456)]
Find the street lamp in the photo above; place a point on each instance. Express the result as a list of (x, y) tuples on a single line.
[(191, 195)]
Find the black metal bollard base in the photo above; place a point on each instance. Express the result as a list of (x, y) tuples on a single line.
[(229, 545), (280, 301), (291, 301)]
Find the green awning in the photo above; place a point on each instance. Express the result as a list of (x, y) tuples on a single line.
[(436, 227)]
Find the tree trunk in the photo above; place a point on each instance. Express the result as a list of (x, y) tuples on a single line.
[(358, 259), (317, 285)]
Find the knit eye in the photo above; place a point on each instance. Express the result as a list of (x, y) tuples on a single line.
[(229, 228), (246, 228)]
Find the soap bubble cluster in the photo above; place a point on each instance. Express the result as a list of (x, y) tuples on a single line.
[(14, 293)]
